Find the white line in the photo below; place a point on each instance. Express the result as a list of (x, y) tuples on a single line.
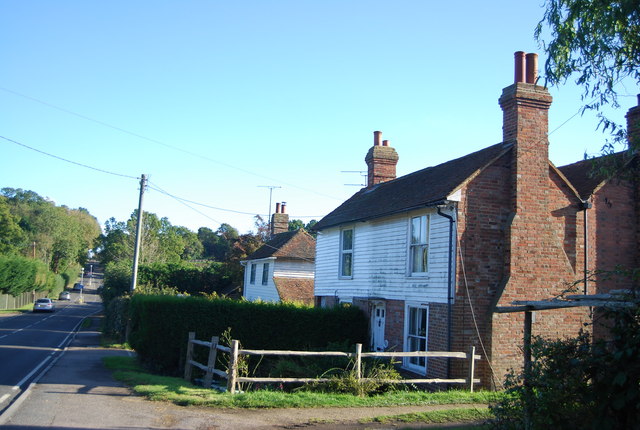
[(26, 378), (3, 398)]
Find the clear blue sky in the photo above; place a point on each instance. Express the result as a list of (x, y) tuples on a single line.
[(215, 99)]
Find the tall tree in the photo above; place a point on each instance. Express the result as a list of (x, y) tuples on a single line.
[(598, 42)]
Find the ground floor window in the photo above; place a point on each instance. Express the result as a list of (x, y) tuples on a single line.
[(416, 336)]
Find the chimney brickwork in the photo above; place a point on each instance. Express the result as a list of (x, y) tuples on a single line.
[(279, 220), (381, 161), (633, 126), (538, 261)]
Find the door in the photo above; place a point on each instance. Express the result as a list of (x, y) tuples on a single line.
[(379, 312)]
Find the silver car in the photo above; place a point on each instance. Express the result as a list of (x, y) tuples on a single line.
[(65, 295), (44, 305)]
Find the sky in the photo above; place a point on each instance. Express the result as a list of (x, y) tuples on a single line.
[(227, 106)]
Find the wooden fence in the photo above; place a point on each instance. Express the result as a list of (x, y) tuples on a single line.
[(8, 301), (234, 352)]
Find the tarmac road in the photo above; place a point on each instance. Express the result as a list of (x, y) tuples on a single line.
[(30, 341)]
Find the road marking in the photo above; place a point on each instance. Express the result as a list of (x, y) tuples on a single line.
[(26, 378)]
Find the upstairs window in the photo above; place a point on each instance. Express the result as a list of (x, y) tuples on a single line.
[(252, 277), (346, 253), (265, 273), (419, 244)]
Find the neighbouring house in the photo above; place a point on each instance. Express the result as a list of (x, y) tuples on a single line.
[(431, 255), (283, 268)]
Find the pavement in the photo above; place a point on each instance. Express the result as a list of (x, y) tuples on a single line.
[(78, 392)]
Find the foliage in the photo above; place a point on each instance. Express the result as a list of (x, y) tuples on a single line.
[(579, 383), (189, 278), (160, 326), (374, 374), (117, 281), (116, 317), (19, 274), (35, 227), (597, 40)]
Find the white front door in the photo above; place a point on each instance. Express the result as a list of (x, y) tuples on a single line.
[(379, 312)]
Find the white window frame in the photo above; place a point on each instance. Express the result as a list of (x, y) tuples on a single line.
[(421, 244), (265, 273), (252, 273), (416, 364), (346, 253)]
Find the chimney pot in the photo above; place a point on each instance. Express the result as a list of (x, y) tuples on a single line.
[(277, 208), (532, 68), (385, 143), (377, 137), (283, 207), (519, 66)]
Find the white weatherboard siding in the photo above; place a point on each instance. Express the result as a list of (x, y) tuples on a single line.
[(293, 269), (257, 291), (380, 267)]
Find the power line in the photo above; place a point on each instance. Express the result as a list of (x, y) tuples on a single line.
[(66, 160), (158, 142)]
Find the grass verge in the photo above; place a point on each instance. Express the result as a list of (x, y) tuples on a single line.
[(178, 391), (26, 308), (457, 415)]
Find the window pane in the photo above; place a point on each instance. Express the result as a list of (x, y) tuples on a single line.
[(346, 264), (253, 274), (265, 273), (415, 230), (347, 239)]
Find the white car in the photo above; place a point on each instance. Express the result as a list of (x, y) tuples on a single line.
[(44, 305)]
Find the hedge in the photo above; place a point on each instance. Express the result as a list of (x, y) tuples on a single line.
[(19, 274), (160, 326)]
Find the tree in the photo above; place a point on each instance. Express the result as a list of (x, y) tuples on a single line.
[(11, 235), (600, 42)]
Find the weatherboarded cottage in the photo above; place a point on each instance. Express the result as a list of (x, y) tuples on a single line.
[(430, 256), (283, 268)]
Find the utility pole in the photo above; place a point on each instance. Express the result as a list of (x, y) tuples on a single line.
[(136, 252), (271, 187)]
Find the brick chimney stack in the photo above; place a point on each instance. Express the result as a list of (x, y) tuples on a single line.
[(381, 161), (633, 126), (525, 107), (280, 219)]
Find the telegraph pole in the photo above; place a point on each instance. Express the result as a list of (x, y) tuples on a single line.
[(136, 252)]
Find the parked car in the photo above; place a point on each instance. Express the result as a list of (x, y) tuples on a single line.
[(44, 305), (78, 286), (65, 295)]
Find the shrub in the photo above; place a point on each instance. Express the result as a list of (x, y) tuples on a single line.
[(579, 383)]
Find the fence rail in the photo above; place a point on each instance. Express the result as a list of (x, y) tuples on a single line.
[(234, 352)]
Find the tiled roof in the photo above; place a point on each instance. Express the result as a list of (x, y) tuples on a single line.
[(298, 245), (418, 189), (295, 289), (585, 176)]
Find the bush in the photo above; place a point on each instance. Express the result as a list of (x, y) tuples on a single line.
[(19, 274), (160, 326), (578, 383)]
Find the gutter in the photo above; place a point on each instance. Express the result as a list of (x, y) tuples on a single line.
[(449, 284)]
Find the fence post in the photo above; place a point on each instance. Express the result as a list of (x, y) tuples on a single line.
[(211, 363), (233, 367), (472, 367), (358, 361), (187, 364)]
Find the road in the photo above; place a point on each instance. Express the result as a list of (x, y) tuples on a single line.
[(30, 342)]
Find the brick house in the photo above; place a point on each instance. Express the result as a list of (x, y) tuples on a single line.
[(283, 268), (430, 255)]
